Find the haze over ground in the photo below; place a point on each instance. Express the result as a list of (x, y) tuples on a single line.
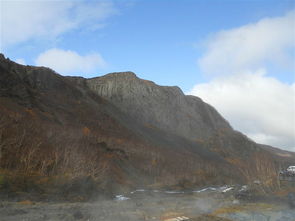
[(236, 55)]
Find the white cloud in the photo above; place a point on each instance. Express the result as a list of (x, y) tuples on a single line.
[(250, 46), (258, 105), (26, 20), (20, 61), (70, 62)]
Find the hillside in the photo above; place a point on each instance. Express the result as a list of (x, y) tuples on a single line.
[(75, 136)]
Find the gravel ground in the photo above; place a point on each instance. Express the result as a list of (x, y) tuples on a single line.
[(149, 205)]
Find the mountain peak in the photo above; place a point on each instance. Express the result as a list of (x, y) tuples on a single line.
[(125, 75), (165, 107), (121, 130)]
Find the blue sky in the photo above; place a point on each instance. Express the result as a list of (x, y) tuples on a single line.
[(171, 42), (158, 40)]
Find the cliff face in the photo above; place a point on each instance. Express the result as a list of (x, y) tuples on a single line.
[(72, 134), (163, 107)]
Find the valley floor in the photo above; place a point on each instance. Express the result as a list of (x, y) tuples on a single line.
[(206, 205)]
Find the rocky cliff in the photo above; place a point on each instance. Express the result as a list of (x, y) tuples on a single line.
[(74, 137), (159, 106)]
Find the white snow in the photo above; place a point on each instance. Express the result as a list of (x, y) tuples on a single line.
[(244, 188), (205, 189), (121, 198), (173, 192), (180, 218), (227, 189)]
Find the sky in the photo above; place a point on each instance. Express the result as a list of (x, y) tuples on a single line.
[(237, 55)]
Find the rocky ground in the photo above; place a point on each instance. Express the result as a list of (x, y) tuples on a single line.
[(209, 204)]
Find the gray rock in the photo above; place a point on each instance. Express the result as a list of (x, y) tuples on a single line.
[(163, 107)]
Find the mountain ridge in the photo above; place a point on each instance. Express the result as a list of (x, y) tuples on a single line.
[(164, 106), (110, 134)]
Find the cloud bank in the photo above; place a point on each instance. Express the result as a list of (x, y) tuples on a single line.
[(31, 20), (238, 60), (260, 106), (70, 62), (249, 47)]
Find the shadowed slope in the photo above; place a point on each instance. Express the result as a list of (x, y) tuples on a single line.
[(78, 136)]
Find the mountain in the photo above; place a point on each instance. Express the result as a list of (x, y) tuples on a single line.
[(164, 107), (75, 136)]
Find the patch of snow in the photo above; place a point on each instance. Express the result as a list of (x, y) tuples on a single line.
[(258, 182), (138, 190), (173, 192), (227, 189), (243, 188), (205, 189), (180, 218), (222, 188), (121, 198)]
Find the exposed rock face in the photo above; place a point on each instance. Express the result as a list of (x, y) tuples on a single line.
[(158, 106), (117, 131)]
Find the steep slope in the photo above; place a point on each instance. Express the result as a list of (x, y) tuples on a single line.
[(78, 136), (168, 109), (157, 106)]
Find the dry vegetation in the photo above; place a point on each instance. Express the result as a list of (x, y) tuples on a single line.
[(57, 135)]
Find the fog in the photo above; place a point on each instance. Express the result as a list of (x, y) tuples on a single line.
[(211, 203)]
